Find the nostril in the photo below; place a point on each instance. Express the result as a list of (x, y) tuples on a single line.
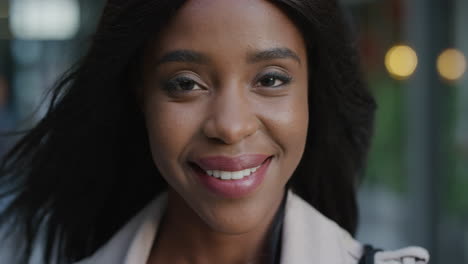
[(230, 125)]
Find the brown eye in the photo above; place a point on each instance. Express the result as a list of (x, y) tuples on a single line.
[(186, 85), (182, 84), (273, 80), (270, 81)]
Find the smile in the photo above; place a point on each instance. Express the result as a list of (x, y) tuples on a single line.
[(231, 175)]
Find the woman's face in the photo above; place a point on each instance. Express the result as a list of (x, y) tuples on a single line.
[(225, 103)]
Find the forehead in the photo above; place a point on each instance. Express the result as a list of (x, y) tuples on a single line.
[(230, 27)]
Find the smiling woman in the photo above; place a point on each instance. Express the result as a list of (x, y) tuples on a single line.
[(228, 94), (201, 132)]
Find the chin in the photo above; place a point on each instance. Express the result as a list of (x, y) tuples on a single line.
[(234, 223), (238, 217)]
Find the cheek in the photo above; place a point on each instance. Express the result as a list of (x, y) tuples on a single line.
[(170, 128), (294, 134), (287, 125)]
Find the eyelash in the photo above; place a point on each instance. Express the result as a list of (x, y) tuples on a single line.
[(173, 85), (284, 78)]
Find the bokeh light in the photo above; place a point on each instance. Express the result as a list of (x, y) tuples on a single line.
[(401, 62), (44, 19), (451, 64)]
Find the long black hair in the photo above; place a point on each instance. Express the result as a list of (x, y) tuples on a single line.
[(86, 168)]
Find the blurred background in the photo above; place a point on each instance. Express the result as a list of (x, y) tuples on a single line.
[(415, 60)]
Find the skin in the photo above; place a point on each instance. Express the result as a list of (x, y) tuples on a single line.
[(228, 105)]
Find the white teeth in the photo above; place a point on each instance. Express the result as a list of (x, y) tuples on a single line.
[(226, 175), (231, 175), (237, 175)]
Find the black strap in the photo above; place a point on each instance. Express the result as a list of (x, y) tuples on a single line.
[(275, 237), (369, 254)]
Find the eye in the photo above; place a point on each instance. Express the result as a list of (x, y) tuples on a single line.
[(182, 84), (273, 79)]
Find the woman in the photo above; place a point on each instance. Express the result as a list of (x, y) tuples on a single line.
[(241, 125)]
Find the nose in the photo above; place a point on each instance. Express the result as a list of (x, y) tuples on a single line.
[(231, 118)]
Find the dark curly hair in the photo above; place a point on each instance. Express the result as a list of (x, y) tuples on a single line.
[(68, 174)]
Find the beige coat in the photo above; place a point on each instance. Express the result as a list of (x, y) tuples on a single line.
[(308, 238)]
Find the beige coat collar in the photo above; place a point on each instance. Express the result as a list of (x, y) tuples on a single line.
[(308, 237)]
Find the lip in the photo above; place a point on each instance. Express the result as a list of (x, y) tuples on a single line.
[(231, 163), (232, 189)]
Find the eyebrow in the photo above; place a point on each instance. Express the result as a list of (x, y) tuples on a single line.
[(191, 56), (183, 56), (272, 54)]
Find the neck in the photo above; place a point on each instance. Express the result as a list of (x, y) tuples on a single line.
[(183, 237)]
